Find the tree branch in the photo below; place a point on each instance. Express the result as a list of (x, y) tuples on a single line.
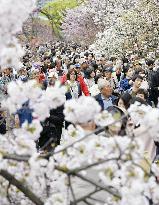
[(19, 158), (86, 196), (96, 184), (97, 131), (27, 192)]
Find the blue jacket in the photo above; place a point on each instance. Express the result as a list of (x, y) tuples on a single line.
[(100, 100), (124, 84), (25, 114)]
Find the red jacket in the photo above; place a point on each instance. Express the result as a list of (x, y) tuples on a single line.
[(80, 79)]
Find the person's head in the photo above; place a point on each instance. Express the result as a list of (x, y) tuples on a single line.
[(89, 73), (76, 59), (98, 71), (22, 72), (47, 60), (103, 60), (119, 127), (72, 75), (142, 73), (84, 66), (150, 64), (90, 56), (107, 73), (97, 77), (118, 69), (7, 71), (66, 60), (137, 81), (129, 72), (141, 93), (105, 88), (137, 65), (99, 61), (109, 64), (124, 101), (35, 74), (113, 59)]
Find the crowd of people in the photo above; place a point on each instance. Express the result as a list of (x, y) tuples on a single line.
[(115, 83)]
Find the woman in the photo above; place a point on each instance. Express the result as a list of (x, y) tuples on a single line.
[(74, 88), (89, 77), (124, 101), (118, 128)]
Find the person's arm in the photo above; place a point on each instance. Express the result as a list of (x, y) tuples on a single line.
[(84, 87)]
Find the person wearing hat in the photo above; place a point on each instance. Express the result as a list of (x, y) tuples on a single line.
[(52, 78), (22, 74), (107, 73)]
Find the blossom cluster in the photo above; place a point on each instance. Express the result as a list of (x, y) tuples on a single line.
[(12, 15)]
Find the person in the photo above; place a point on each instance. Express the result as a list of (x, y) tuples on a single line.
[(127, 82), (153, 81), (105, 97), (5, 79), (22, 75), (118, 128), (24, 114), (52, 130), (65, 65), (117, 74), (52, 126), (89, 77), (124, 101), (80, 79), (107, 73), (2, 122), (143, 94), (74, 88), (47, 64), (137, 80)]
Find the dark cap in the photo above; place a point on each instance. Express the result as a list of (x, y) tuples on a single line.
[(108, 70)]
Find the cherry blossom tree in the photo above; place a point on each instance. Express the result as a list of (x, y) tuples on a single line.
[(79, 26), (117, 25)]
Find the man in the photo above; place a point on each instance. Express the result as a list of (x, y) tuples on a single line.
[(153, 81), (137, 80), (105, 97), (52, 126), (107, 73)]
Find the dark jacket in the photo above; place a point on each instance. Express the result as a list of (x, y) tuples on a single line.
[(2, 125), (153, 80), (100, 100), (52, 127)]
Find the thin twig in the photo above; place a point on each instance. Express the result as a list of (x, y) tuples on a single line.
[(86, 196), (92, 165), (98, 130), (71, 188)]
